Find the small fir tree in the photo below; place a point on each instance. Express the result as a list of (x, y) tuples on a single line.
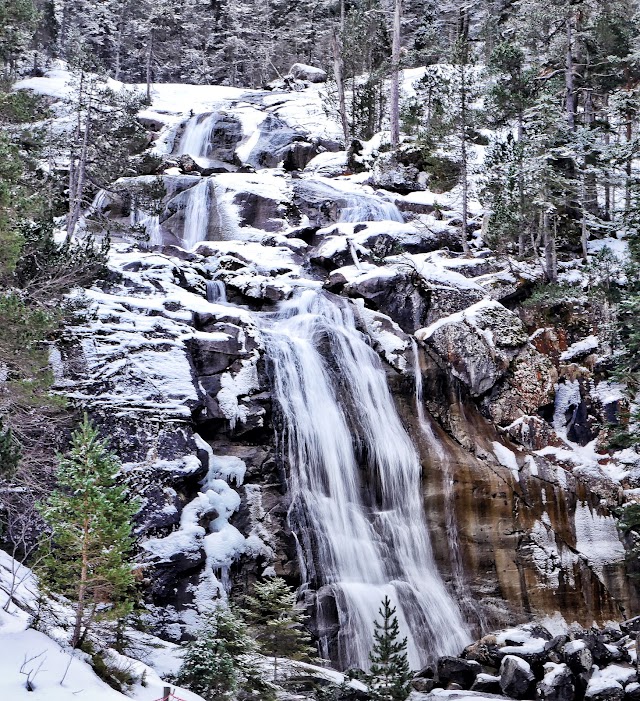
[(219, 662), (90, 516), (389, 676), (277, 623)]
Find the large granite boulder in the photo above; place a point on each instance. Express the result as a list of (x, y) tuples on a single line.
[(516, 678), (557, 684), (477, 343)]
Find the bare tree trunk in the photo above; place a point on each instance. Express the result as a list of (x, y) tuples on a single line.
[(584, 237), (569, 76), (149, 60), (82, 590), (336, 46), (522, 233), (607, 174), (628, 165), (79, 179), (394, 108), (121, 26), (551, 266), (464, 157)]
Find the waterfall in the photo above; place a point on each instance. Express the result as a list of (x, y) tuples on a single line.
[(196, 139), (216, 292), (361, 208), (355, 484), (196, 217), (210, 214), (150, 223)]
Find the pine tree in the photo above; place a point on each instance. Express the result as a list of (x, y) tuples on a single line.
[(388, 677), (218, 662), (87, 557), (17, 26), (277, 622), (9, 452)]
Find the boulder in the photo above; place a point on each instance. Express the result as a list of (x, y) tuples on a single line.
[(578, 657), (298, 155), (414, 300), (389, 174), (557, 684), (485, 651), (609, 691), (608, 684), (487, 683), (453, 670), (423, 685), (631, 626), (426, 673), (632, 692), (274, 144), (516, 678), (601, 653), (553, 648), (533, 433), (478, 343), (529, 385), (302, 71)]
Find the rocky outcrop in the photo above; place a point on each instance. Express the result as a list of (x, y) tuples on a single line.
[(302, 71), (529, 663)]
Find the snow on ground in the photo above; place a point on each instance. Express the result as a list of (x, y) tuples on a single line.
[(57, 672)]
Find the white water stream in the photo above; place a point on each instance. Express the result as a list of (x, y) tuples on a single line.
[(196, 139), (362, 208), (355, 482), (216, 292)]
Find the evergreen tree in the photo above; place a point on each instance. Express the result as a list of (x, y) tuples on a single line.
[(17, 25), (90, 516), (389, 675), (219, 662), (277, 623), (9, 452)]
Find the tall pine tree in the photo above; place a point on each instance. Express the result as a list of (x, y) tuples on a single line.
[(87, 557)]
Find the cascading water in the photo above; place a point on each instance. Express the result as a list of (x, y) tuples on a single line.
[(196, 139), (196, 217), (355, 482), (361, 208), (150, 223), (210, 214), (216, 292)]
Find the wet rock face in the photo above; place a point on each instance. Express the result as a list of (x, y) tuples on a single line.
[(182, 385), (171, 377)]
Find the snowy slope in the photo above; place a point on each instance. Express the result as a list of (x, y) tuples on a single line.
[(56, 672)]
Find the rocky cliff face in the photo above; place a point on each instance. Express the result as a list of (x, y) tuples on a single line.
[(170, 357)]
